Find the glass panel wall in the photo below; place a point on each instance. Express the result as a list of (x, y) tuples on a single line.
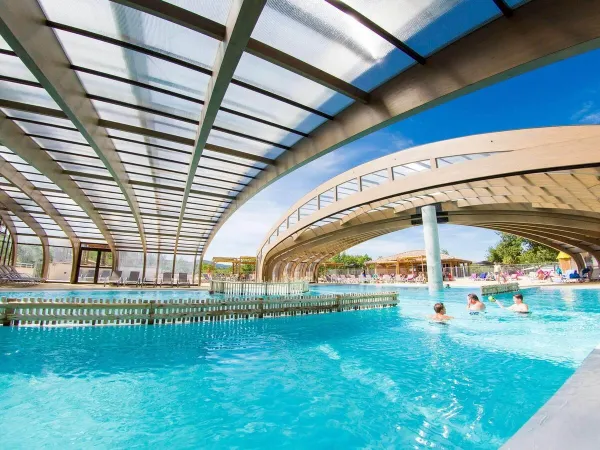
[(29, 259), (165, 265), (131, 264), (105, 266), (151, 266), (61, 263), (87, 266), (184, 264)]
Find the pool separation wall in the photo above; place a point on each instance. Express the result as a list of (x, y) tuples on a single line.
[(499, 288), (253, 288), (77, 311)]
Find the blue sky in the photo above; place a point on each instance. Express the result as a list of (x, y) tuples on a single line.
[(564, 93)]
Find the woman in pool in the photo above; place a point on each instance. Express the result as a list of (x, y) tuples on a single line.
[(518, 306), (440, 313), (474, 305)]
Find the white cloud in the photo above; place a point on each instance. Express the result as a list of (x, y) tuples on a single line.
[(588, 114)]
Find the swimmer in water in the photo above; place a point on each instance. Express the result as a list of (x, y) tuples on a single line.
[(518, 306), (440, 313), (474, 305)]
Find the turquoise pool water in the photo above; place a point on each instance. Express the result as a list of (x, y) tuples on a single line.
[(367, 379)]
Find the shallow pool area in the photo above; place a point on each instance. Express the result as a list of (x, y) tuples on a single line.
[(376, 378)]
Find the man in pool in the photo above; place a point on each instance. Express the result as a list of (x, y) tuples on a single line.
[(518, 306), (474, 305), (440, 313)]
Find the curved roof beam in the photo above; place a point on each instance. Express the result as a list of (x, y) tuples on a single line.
[(10, 225), (23, 26), (17, 179), (13, 137), (531, 152), (241, 21), (539, 33), (29, 220)]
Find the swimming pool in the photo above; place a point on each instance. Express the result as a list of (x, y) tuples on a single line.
[(377, 378)]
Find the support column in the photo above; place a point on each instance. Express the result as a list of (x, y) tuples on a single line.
[(432, 249)]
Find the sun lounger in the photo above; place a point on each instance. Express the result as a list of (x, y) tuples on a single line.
[(167, 279), (115, 279), (149, 281), (104, 276), (87, 276), (182, 280), (133, 278), (11, 275)]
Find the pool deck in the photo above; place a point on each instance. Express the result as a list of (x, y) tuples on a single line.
[(569, 420), (461, 283)]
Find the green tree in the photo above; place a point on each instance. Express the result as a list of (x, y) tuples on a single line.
[(516, 250), (350, 261)]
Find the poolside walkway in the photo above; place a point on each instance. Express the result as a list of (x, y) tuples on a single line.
[(569, 420), (462, 283)]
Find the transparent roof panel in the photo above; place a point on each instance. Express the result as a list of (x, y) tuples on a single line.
[(127, 24), (347, 49), (266, 108), (26, 94), (3, 44), (280, 81), (211, 9), (114, 60), (124, 136), (255, 129), (127, 93), (243, 145), (144, 119), (11, 66), (38, 117), (52, 132), (451, 21)]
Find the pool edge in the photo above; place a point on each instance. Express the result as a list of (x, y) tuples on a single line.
[(570, 418)]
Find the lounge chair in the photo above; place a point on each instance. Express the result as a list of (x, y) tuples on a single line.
[(167, 279), (19, 277), (87, 276), (149, 281), (133, 278), (115, 279), (104, 275), (182, 280), (10, 275), (410, 278)]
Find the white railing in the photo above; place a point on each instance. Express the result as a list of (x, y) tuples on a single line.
[(34, 312), (252, 288)]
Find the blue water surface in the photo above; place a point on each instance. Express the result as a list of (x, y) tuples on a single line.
[(385, 378)]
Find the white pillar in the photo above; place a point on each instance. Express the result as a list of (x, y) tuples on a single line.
[(432, 248)]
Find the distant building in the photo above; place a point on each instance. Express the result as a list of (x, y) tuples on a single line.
[(415, 261)]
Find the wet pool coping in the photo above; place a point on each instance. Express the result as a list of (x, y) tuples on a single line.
[(570, 419)]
